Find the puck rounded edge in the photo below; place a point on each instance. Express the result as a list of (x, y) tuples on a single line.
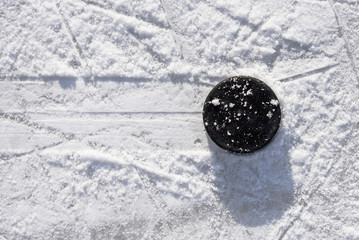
[(241, 114)]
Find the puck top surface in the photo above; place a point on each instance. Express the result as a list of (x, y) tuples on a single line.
[(241, 114)]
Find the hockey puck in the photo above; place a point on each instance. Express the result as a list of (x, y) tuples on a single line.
[(241, 114)]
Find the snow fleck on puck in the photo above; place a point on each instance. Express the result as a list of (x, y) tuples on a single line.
[(241, 114)]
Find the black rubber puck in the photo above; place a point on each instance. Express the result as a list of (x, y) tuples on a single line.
[(241, 114)]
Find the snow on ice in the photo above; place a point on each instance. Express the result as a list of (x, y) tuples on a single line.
[(101, 131)]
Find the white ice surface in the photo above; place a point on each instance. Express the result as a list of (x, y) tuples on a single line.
[(101, 132)]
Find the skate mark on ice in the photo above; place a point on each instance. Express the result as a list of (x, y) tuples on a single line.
[(303, 203), (145, 174), (24, 120), (173, 31), (144, 113), (149, 172), (241, 20), (314, 187), (140, 170), (342, 34), (155, 55), (7, 157), (36, 79), (348, 3), (73, 38), (20, 118), (170, 78), (308, 73), (131, 28), (152, 22), (153, 194), (273, 58), (291, 224), (21, 79), (75, 42), (156, 113), (178, 78)]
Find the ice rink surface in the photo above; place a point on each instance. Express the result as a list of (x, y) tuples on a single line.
[(101, 132)]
